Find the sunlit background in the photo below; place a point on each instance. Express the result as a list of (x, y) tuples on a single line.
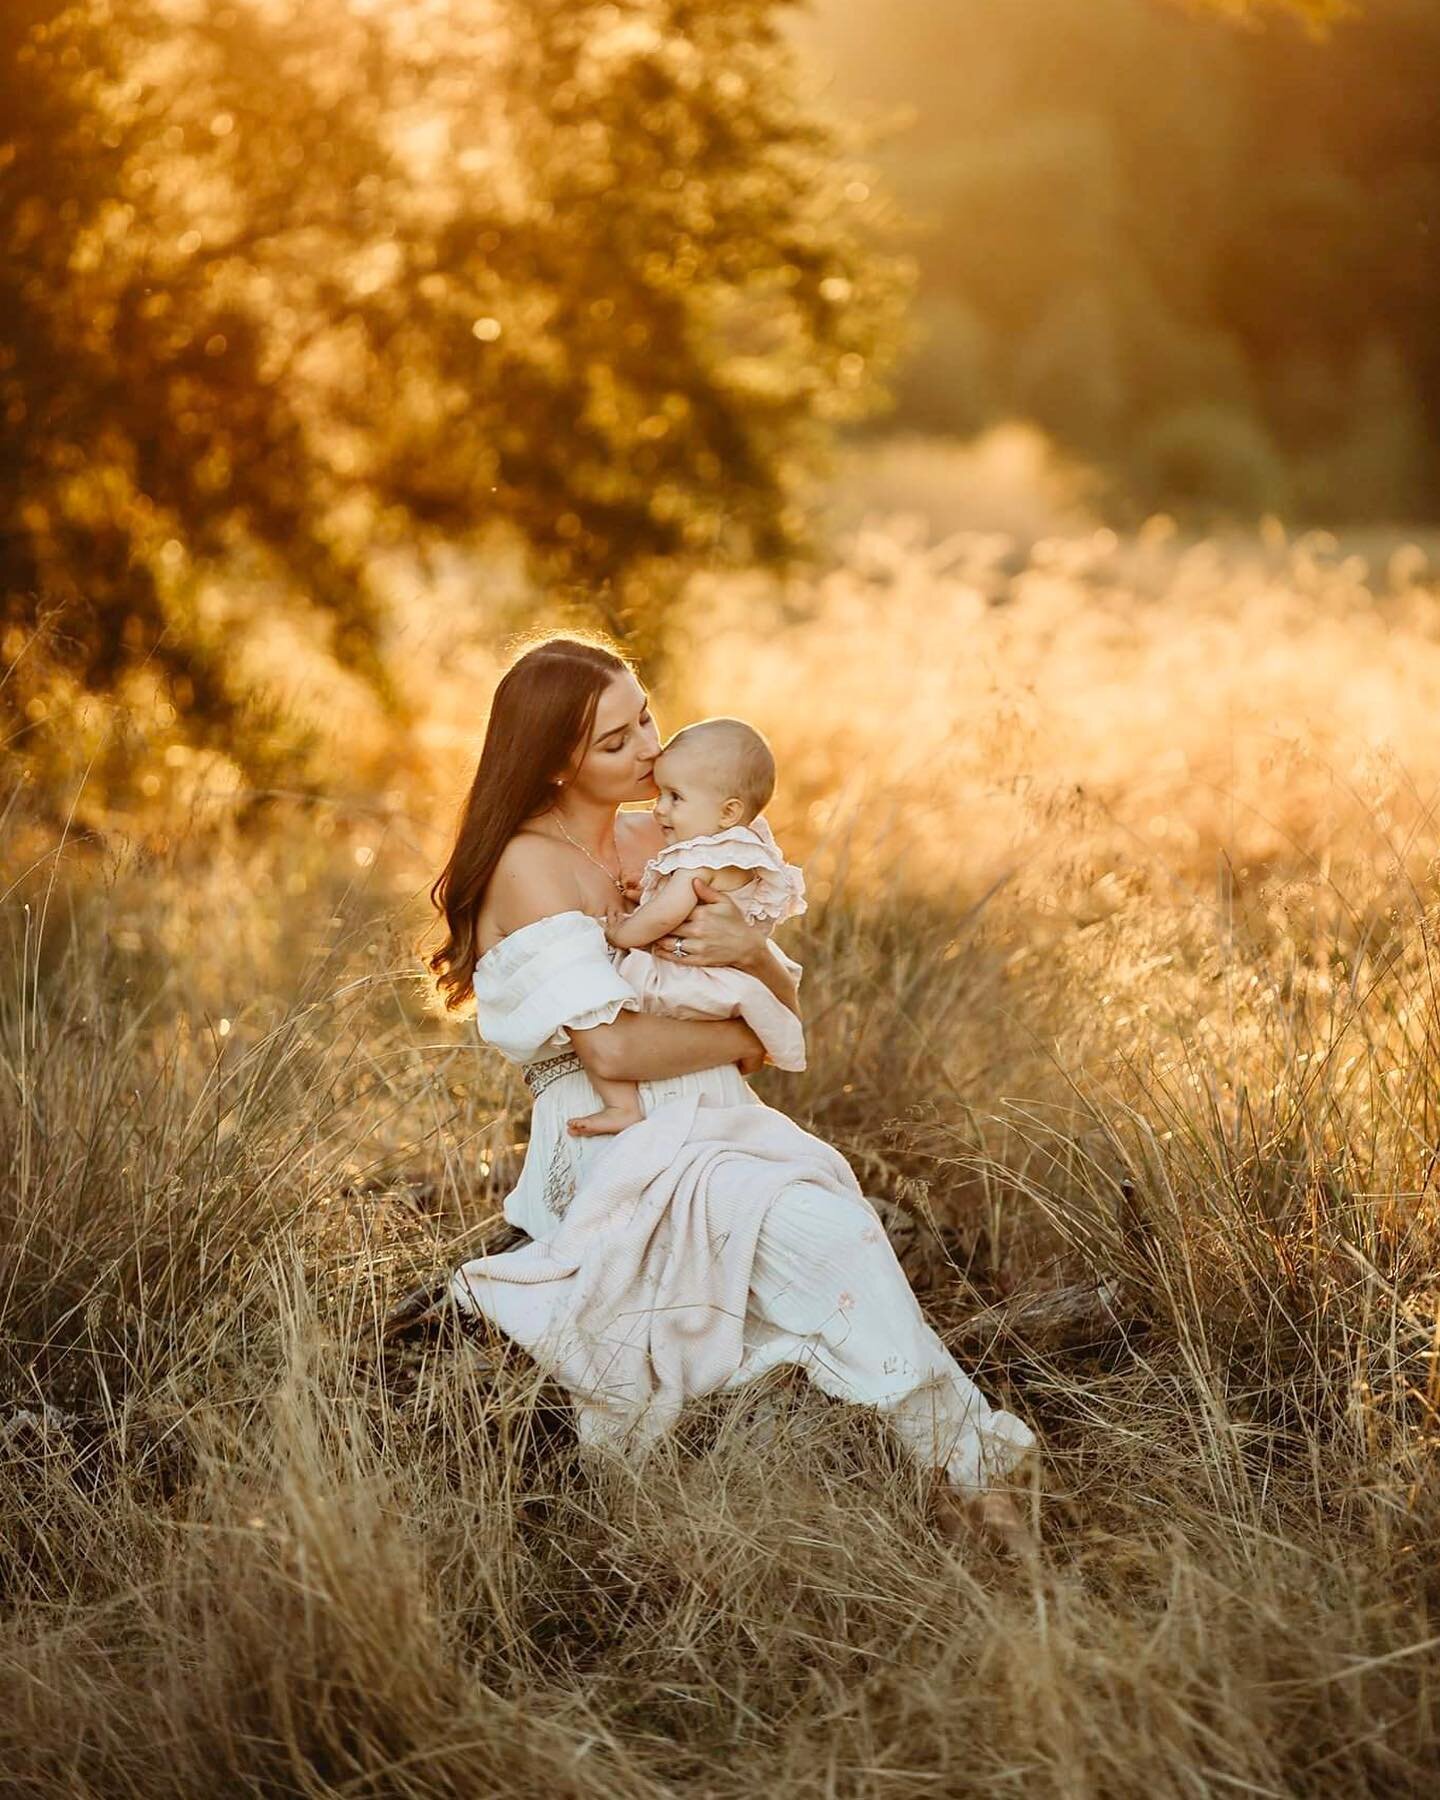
[(342, 340), (1027, 413)]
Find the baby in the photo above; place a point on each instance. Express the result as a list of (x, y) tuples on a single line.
[(714, 779)]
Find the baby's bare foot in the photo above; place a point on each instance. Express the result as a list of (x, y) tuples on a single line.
[(606, 1122)]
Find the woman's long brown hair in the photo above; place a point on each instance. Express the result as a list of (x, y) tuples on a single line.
[(542, 711)]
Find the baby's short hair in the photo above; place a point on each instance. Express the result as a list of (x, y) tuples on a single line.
[(741, 757)]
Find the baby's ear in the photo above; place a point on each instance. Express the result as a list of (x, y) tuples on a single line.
[(732, 811)]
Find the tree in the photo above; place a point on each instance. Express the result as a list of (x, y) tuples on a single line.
[(1227, 215), (283, 281)]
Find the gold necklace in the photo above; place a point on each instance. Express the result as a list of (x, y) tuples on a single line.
[(609, 874)]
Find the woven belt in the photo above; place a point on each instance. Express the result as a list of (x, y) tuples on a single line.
[(539, 1075)]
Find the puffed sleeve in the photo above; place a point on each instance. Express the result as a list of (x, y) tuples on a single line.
[(555, 973)]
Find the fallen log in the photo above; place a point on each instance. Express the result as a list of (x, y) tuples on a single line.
[(425, 1304), (1055, 1318)]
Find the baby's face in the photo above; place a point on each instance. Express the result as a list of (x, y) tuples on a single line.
[(691, 803)]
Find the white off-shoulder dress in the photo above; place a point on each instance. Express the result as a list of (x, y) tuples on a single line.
[(774, 893), (700, 1248)]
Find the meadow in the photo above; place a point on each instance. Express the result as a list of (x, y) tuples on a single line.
[(1120, 968)]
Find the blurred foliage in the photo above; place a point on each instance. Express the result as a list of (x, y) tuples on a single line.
[(1206, 258), (1315, 12), (286, 282)]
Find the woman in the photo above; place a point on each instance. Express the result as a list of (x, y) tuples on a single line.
[(715, 1239)]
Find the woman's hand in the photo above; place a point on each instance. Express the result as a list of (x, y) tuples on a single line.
[(754, 1060), (715, 935)]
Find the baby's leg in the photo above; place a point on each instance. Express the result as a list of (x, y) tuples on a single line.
[(622, 1107)]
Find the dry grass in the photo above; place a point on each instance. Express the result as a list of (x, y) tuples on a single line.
[(1122, 959)]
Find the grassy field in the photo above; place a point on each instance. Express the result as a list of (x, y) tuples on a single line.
[(1121, 963)]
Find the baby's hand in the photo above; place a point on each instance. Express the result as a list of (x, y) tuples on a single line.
[(615, 917)]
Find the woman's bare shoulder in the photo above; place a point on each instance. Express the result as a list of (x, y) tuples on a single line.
[(533, 878)]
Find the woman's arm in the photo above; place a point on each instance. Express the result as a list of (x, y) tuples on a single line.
[(716, 935), (781, 983), (645, 1047)]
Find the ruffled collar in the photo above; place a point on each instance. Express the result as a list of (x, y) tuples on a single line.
[(757, 832)]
